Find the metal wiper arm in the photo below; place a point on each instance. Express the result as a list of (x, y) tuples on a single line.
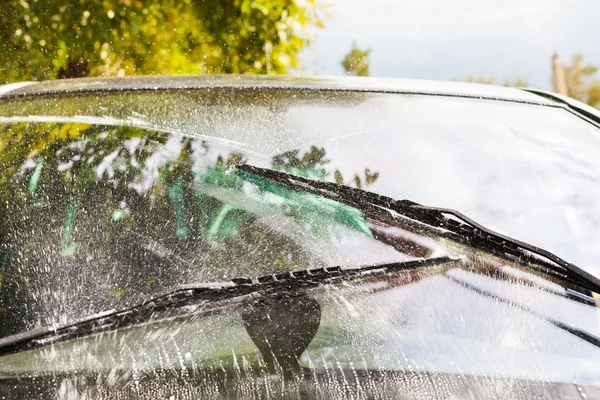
[(175, 303), (453, 224)]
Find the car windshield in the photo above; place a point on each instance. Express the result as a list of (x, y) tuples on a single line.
[(109, 199)]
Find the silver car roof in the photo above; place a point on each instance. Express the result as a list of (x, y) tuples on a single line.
[(266, 82)]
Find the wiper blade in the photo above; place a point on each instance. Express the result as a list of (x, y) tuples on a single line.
[(191, 298), (450, 223)]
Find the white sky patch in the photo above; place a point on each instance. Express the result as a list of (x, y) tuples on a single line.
[(161, 155), (435, 39), (64, 166), (573, 221), (132, 144), (29, 164), (106, 165)]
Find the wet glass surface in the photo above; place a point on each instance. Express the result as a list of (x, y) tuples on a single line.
[(508, 165), (108, 200), (453, 329)]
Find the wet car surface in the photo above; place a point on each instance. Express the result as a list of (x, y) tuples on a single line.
[(246, 237)]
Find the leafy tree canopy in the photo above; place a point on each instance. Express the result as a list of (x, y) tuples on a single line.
[(356, 62), (45, 39), (580, 76), (581, 82)]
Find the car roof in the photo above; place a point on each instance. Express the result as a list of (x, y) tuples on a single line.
[(266, 82)]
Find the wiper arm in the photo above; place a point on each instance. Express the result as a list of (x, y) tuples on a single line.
[(191, 298), (452, 224)]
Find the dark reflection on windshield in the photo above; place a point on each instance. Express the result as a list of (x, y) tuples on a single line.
[(451, 330), (96, 217)]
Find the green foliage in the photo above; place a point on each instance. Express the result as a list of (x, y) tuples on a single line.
[(519, 81), (581, 84), (312, 164), (127, 37), (311, 161), (356, 62), (580, 76)]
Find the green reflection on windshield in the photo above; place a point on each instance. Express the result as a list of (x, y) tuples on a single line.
[(114, 214)]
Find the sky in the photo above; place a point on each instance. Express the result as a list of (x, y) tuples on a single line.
[(451, 40)]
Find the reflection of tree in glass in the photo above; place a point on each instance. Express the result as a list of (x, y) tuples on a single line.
[(312, 164), (111, 215)]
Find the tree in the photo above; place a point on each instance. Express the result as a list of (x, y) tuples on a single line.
[(489, 80), (581, 84), (80, 203), (313, 164), (43, 39), (356, 62)]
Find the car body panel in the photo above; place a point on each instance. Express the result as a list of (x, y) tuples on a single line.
[(263, 82)]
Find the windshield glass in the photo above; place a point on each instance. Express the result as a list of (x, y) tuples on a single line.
[(377, 336), (107, 200), (116, 197), (114, 215), (525, 170)]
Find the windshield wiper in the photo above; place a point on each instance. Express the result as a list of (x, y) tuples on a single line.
[(448, 223), (194, 298), (188, 299)]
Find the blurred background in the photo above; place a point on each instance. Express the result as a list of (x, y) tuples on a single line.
[(546, 44)]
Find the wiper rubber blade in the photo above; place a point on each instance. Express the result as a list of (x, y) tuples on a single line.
[(152, 310), (453, 224)]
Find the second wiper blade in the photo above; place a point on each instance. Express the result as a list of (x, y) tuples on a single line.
[(161, 307), (454, 225)]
